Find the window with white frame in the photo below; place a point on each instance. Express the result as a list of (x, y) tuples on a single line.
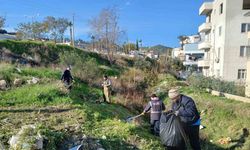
[(242, 73), (245, 27), (244, 51)]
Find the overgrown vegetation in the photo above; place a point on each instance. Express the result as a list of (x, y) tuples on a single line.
[(64, 118), (201, 82)]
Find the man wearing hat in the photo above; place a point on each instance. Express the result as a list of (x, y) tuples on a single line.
[(184, 107)]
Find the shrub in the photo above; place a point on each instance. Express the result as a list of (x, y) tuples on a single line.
[(199, 81), (88, 71)]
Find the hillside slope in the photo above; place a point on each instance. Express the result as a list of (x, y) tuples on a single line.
[(67, 119), (65, 115)]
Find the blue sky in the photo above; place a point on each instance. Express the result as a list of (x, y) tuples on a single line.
[(153, 21)]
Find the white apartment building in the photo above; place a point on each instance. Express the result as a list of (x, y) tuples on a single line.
[(192, 53), (225, 42)]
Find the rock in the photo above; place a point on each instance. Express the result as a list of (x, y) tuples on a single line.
[(18, 82), (27, 138), (3, 85), (33, 81)]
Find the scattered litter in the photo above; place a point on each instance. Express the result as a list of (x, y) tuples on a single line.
[(202, 127), (79, 147), (104, 137), (224, 141)]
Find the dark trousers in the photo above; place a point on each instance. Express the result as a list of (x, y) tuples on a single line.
[(192, 133), (152, 126)]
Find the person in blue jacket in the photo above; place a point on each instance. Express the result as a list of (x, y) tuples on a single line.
[(184, 107), (156, 107)]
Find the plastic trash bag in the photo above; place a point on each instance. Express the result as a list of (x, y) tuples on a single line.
[(172, 133)]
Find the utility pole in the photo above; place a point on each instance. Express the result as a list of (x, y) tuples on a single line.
[(73, 33)]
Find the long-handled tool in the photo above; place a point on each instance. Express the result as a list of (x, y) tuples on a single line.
[(130, 119)]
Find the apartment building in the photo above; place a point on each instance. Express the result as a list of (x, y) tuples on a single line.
[(225, 42), (192, 53)]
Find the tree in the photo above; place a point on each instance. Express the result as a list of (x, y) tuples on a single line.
[(106, 30), (51, 27), (56, 27), (35, 30), (2, 22), (129, 47), (61, 25), (182, 39), (137, 45), (50, 23), (24, 31)]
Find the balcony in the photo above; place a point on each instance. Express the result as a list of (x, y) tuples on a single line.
[(206, 8), (205, 27), (204, 46), (203, 63), (190, 63)]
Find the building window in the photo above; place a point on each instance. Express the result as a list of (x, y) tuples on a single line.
[(246, 4), (220, 30), (245, 27), (218, 53), (244, 51), (221, 8), (242, 73)]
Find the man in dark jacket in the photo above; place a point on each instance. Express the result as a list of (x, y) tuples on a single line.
[(67, 78), (155, 106), (185, 108)]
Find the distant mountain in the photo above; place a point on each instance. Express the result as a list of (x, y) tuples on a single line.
[(161, 49)]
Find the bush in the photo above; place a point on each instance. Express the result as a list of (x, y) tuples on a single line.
[(84, 69), (88, 71), (201, 82)]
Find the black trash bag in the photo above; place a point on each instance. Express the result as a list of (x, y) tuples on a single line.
[(172, 133)]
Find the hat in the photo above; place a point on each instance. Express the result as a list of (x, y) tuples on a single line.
[(173, 93)]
